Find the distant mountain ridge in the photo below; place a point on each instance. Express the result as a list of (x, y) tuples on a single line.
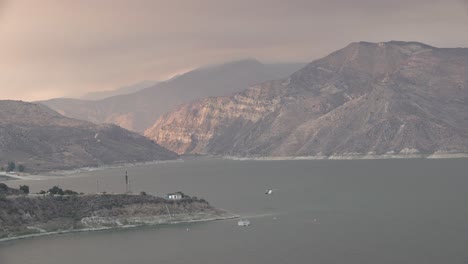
[(43, 140), (120, 91), (392, 98), (138, 111)]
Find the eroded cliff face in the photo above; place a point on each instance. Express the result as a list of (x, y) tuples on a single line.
[(366, 99), (191, 127)]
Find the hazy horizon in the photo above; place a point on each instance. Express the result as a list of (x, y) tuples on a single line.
[(57, 48)]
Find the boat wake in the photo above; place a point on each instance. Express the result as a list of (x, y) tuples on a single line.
[(250, 216)]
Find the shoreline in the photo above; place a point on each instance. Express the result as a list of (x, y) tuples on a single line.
[(5, 178), (74, 172), (105, 167), (124, 227), (351, 156)]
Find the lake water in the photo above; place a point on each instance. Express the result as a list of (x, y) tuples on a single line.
[(362, 211)]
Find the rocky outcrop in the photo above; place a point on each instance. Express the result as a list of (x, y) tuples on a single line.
[(138, 111), (43, 140), (366, 99), (26, 215)]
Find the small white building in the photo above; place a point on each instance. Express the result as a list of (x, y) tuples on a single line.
[(174, 196)]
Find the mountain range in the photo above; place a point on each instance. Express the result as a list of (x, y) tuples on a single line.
[(389, 98), (43, 140), (139, 110), (119, 91)]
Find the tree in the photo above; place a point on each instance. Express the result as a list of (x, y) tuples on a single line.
[(11, 166), (143, 193), (21, 168), (24, 188), (56, 190), (3, 187)]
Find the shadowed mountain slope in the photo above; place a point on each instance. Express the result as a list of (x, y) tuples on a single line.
[(43, 140)]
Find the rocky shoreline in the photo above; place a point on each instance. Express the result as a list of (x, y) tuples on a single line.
[(205, 218), (23, 216)]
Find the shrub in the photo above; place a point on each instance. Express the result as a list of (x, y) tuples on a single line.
[(11, 166), (21, 168), (42, 192), (3, 187), (143, 193), (56, 190), (24, 188)]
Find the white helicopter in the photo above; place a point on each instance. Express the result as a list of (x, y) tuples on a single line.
[(270, 191)]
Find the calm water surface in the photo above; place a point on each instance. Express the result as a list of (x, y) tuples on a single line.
[(364, 211)]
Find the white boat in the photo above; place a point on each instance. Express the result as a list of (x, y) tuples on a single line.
[(243, 222)]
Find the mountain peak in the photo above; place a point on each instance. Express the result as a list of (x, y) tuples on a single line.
[(394, 43), (365, 99), (248, 62), (406, 47), (365, 59)]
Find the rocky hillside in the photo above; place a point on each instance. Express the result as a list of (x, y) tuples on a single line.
[(40, 214), (138, 111), (43, 140), (365, 99)]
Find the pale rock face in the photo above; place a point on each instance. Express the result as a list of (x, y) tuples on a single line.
[(396, 97), (250, 106)]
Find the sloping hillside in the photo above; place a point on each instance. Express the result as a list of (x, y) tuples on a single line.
[(365, 99), (42, 140), (138, 111)]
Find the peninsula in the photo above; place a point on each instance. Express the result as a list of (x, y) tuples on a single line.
[(26, 215)]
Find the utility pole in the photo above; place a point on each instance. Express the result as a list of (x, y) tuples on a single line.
[(129, 186), (126, 182)]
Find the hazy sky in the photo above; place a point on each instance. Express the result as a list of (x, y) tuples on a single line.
[(52, 48)]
